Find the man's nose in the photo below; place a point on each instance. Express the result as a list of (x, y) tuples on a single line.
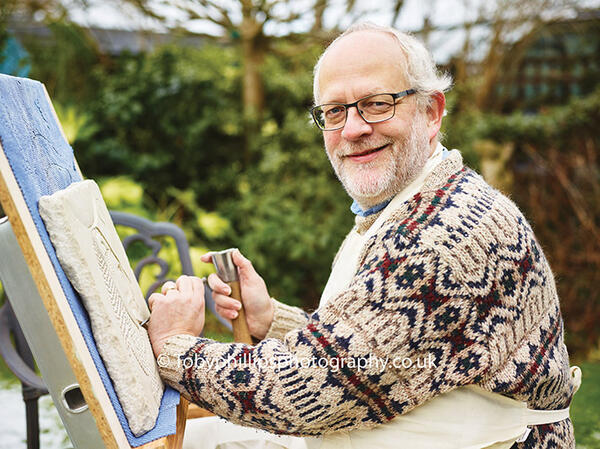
[(355, 126)]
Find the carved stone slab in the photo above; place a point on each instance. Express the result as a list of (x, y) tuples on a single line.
[(90, 252)]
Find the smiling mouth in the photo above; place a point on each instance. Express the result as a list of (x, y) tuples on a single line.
[(364, 153)]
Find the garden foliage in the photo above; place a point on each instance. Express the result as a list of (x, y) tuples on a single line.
[(170, 122)]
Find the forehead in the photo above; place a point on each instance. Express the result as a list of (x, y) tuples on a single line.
[(362, 63)]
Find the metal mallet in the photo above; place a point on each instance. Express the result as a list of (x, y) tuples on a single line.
[(227, 271)]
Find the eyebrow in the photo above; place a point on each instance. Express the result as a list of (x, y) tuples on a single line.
[(371, 91)]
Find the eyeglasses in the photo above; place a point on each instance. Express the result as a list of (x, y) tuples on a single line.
[(373, 109)]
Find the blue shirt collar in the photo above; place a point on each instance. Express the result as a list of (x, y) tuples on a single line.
[(373, 210)]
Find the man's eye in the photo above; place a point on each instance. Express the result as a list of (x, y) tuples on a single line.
[(376, 105), (334, 111)]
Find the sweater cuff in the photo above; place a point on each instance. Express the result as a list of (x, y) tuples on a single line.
[(170, 363), (285, 319)]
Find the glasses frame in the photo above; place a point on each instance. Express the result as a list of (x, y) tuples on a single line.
[(395, 96)]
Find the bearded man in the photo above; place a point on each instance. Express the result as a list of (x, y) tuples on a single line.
[(440, 324)]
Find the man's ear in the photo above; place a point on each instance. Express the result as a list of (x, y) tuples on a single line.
[(435, 112)]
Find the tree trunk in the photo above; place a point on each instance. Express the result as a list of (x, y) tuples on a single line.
[(490, 67), (253, 55)]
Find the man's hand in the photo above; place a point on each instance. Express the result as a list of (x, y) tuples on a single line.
[(257, 302), (179, 309)]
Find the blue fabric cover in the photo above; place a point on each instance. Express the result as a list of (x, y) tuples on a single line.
[(43, 162)]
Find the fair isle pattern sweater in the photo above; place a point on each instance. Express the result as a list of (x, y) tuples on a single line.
[(455, 275)]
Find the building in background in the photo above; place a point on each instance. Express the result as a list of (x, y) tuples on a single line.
[(555, 62), (109, 41)]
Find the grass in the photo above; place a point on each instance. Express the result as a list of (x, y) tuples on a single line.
[(585, 408), (6, 376)]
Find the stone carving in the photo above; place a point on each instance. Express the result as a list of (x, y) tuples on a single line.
[(90, 252)]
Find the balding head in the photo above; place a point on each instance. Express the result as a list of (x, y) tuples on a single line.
[(368, 61), (416, 64)]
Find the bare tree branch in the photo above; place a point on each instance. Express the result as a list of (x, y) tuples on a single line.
[(398, 4), (319, 11), (224, 19), (574, 196), (350, 6)]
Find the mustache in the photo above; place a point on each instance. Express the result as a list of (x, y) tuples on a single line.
[(348, 148)]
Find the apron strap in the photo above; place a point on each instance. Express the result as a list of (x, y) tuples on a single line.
[(537, 417), (576, 375)]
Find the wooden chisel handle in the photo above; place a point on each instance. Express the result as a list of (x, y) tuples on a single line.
[(241, 333)]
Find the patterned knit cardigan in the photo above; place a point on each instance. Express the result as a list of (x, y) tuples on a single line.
[(455, 276)]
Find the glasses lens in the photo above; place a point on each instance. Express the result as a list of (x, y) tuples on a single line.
[(330, 116), (377, 108)]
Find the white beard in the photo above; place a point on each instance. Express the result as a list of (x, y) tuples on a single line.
[(373, 182)]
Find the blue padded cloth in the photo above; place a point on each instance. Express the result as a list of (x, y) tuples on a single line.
[(43, 163)]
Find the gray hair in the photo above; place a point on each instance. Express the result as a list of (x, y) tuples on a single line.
[(421, 71)]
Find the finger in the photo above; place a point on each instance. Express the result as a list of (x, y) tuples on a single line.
[(217, 285), (197, 284), (244, 265), (198, 287), (172, 293), (184, 285), (227, 302), (206, 257), (226, 313), (153, 297), (167, 286)]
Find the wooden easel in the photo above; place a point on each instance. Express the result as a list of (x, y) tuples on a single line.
[(53, 333)]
